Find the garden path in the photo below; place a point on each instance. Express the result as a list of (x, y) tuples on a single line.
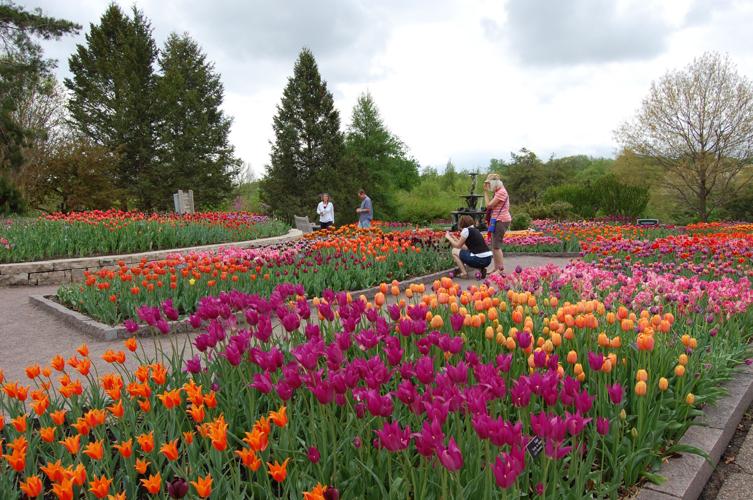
[(29, 335)]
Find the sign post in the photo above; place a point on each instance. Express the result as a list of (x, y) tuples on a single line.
[(183, 201)]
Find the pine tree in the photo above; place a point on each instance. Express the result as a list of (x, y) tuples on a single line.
[(194, 148), (307, 154), (379, 156), (22, 69), (113, 97)]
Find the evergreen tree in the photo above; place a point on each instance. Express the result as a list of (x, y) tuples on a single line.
[(22, 70), (307, 154), (113, 97), (379, 156), (194, 149)]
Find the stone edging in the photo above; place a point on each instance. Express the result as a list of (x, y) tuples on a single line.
[(688, 474), (90, 326), (61, 271), (102, 331)]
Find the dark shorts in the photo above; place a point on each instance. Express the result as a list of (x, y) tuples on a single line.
[(325, 225), (500, 228), (473, 261)]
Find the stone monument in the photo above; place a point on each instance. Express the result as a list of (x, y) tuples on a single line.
[(183, 202)]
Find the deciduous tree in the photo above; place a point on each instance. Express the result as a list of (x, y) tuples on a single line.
[(697, 124)]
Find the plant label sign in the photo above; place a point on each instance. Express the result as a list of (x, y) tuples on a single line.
[(535, 446)]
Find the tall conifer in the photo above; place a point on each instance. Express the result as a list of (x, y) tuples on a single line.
[(194, 149), (307, 153), (113, 97)]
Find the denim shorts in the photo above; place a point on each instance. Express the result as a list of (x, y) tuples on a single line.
[(473, 261)]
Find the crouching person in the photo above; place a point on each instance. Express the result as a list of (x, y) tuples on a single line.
[(470, 249)]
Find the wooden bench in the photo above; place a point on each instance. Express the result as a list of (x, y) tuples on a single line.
[(303, 224)]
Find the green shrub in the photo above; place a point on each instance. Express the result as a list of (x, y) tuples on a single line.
[(558, 210), (520, 221), (11, 201), (618, 199), (582, 198)]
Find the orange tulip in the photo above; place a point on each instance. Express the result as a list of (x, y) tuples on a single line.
[(125, 448), (640, 388), (72, 443), (141, 465), (249, 458), (316, 494), (117, 409), (100, 487), (58, 417), (131, 344), (54, 471), (94, 450), (58, 363), (279, 417), (19, 423), (146, 442), (278, 471), (31, 486), (257, 440), (63, 490), (203, 486), (33, 371), (47, 434), (170, 450), (153, 484)]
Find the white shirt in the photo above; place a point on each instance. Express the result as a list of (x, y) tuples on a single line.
[(326, 214)]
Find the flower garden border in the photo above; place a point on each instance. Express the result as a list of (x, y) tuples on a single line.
[(687, 474), (102, 331), (61, 271)]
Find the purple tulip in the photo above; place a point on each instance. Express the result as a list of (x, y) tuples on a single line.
[(177, 488), (313, 455), (392, 438), (602, 426), (451, 457), (615, 393), (131, 326)]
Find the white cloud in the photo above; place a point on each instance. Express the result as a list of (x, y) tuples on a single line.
[(461, 79)]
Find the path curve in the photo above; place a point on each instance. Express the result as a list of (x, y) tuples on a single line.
[(29, 335)]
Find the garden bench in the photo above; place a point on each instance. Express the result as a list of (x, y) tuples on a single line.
[(304, 225)]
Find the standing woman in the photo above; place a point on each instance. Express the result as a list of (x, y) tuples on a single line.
[(326, 211), (500, 217)]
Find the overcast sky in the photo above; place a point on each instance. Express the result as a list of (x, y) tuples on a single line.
[(466, 80)]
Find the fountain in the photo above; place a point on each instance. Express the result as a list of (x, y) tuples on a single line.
[(471, 201)]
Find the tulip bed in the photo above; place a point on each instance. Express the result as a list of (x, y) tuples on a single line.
[(84, 234), (345, 259), (548, 380)]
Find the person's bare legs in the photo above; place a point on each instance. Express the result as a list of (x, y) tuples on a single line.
[(458, 262), (499, 261)]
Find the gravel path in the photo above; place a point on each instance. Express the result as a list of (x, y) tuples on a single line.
[(29, 335)]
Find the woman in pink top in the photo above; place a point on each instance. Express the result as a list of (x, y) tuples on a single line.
[(500, 217)]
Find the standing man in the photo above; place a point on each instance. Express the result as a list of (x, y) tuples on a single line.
[(365, 211)]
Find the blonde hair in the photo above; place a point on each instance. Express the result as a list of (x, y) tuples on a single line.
[(495, 184)]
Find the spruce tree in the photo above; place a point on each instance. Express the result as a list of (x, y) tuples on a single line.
[(113, 98), (194, 149), (307, 154), (22, 69), (379, 157)]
